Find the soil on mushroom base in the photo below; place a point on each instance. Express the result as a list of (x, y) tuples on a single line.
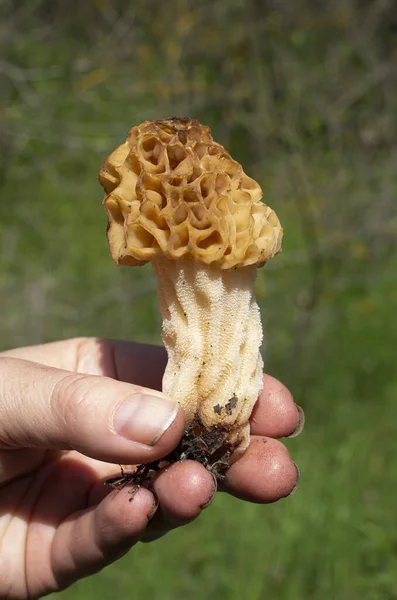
[(210, 447)]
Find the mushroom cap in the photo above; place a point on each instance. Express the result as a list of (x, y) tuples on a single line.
[(171, 190)]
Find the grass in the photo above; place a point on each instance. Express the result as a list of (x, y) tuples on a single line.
[(306, 99)]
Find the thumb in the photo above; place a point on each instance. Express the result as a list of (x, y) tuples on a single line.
[(106, 419)]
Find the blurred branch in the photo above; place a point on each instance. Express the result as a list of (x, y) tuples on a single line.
[(18, 77), (360, 88)]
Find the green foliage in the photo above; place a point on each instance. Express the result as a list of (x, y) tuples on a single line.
[(305, 95)]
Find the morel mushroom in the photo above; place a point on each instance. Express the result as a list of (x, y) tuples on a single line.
[(176, 198)]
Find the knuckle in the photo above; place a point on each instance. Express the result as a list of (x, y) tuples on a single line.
[(87, 351), (123, 526), (71, 399)]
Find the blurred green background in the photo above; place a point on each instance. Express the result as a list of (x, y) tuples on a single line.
[(305, 95)]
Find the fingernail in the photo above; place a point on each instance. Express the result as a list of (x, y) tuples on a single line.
[(298, 476), (301, 422), (213, 493), (154, 510), (144, 419)]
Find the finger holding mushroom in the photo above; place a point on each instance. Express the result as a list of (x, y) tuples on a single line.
[(176, 198)]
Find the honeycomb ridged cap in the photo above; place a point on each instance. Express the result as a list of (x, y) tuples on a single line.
[(171, 190)]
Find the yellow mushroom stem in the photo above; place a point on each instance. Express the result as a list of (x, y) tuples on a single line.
[(212, 332)]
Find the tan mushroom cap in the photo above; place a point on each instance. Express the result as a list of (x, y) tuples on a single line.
[(171, 190)]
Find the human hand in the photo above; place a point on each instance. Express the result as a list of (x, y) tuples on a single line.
[(60, 432)]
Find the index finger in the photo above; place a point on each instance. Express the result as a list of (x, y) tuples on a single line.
[(142, 364)]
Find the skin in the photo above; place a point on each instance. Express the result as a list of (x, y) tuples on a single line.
[(58, 522)]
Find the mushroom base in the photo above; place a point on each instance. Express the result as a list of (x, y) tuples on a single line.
[(210, 447)]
